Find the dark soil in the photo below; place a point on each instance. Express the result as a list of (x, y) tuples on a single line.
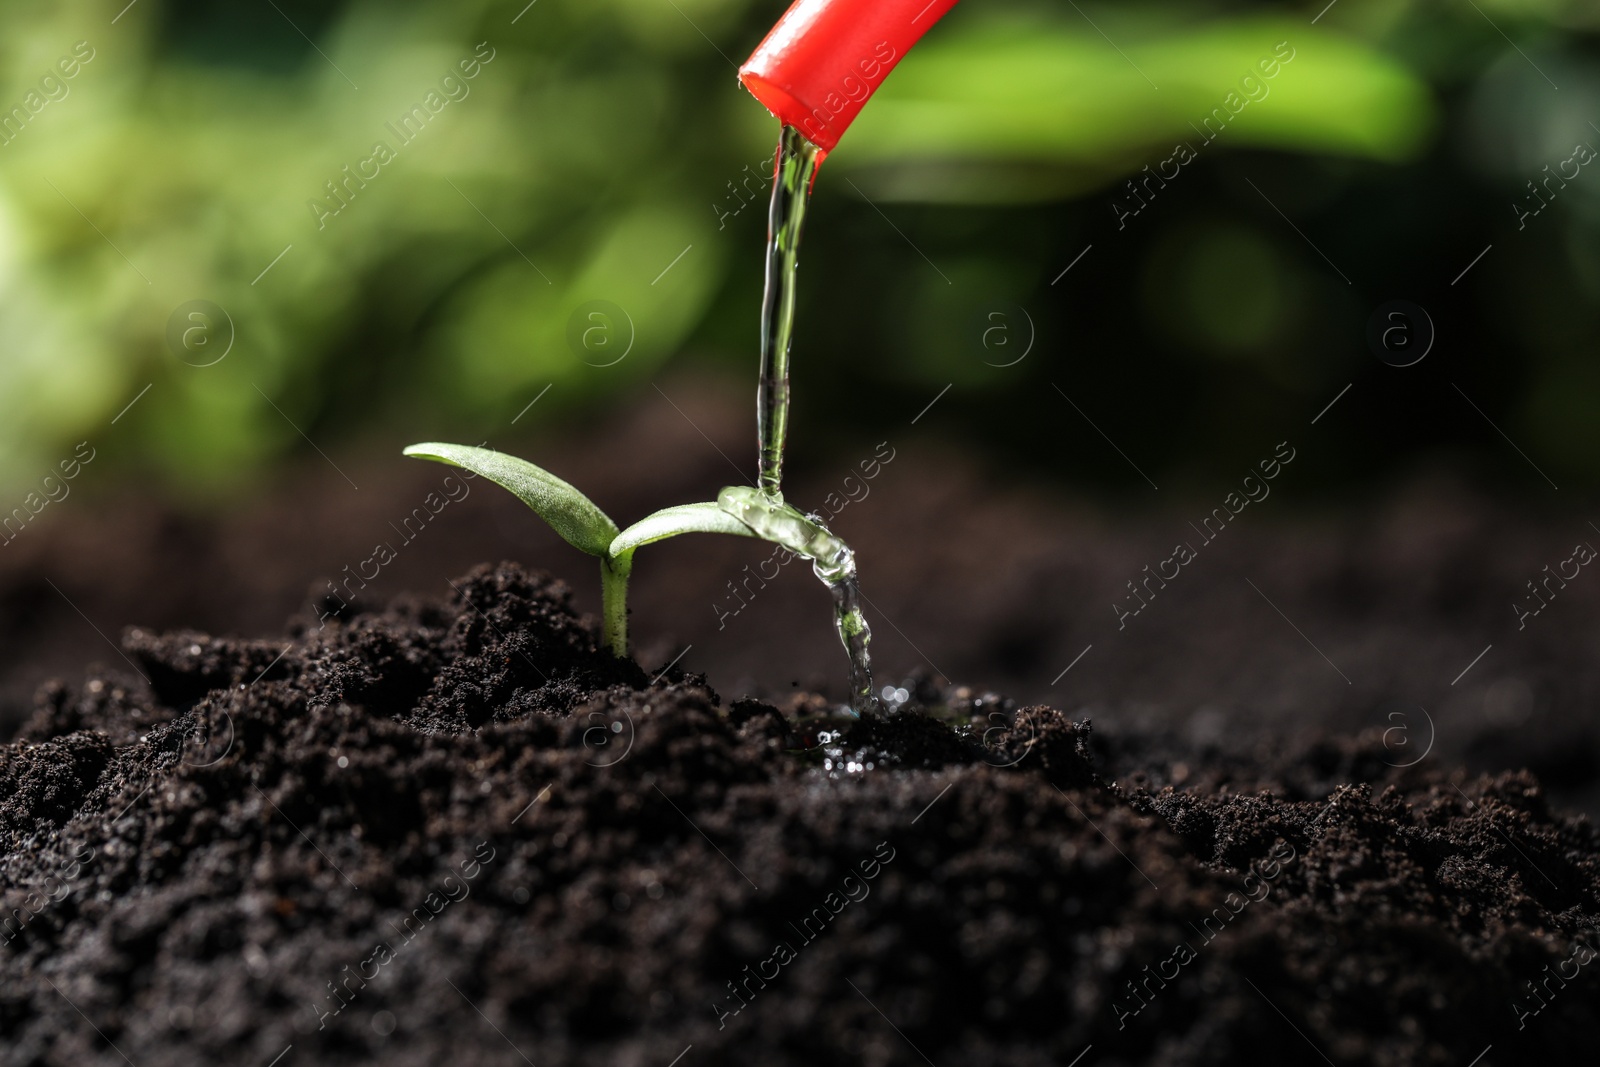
[(1402, 587), (459, 833)]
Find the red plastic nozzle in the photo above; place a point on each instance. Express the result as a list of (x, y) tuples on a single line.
[(825, 58)]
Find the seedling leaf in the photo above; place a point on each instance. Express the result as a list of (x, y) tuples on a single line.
[(570, 513), (670, 522)]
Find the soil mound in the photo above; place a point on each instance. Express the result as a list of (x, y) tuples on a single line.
[(462, 833)]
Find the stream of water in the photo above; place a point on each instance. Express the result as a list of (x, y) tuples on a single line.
[(791, 195), (764, 509), (833, 563)]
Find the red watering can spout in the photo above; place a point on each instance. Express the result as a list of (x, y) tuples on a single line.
[(825, 58)]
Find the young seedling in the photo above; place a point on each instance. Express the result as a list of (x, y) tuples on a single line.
[(740, 510), (582, 524), (794, 72)]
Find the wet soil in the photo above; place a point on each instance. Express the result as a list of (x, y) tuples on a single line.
[(455, 831)]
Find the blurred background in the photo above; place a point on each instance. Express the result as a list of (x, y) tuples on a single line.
[(1082, 266)]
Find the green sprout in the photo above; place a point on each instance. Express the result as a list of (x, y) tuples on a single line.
[(582, 524), (744, 511), (739, 510)]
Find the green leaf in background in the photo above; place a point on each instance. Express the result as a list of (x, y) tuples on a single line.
[(1026, 93), (513, 328)]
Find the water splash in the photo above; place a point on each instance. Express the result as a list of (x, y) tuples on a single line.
[(833, 563), (857, 636)]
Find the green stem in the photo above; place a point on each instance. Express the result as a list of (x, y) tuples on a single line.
[(614, 602)]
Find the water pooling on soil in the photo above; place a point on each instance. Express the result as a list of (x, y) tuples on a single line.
[(763, 509)]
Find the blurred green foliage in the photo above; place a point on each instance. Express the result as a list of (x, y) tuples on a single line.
[(605, 153), (1015, 90)]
